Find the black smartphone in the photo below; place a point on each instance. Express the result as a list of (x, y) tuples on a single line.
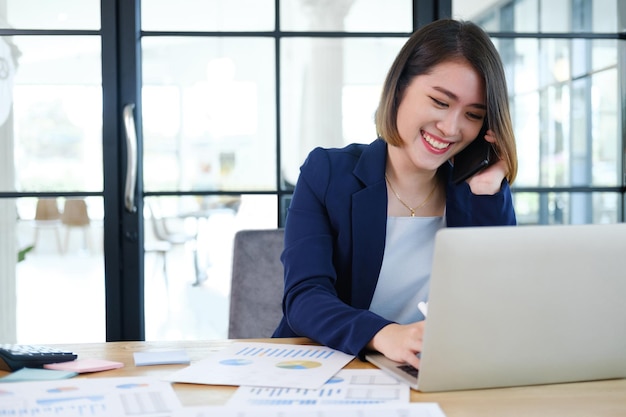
[(477, 156)]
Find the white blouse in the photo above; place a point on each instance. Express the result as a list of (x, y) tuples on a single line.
[(405, 273)]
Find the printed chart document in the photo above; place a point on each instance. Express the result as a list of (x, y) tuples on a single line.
[(266, 365), (369, 410), (97, 397), (348, 386)]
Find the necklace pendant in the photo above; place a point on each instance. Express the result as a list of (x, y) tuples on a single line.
[(411, 209)]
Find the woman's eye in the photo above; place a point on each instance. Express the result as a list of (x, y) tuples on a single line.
[(474, 116), (438, 102)]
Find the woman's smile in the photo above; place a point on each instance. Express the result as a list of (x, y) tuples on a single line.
[(437, 145)]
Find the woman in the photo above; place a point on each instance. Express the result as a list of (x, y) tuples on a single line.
[(360, 230)]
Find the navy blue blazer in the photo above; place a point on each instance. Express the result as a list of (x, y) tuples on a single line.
[(335, 240)]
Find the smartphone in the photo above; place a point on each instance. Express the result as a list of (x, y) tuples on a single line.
[(477, 156)]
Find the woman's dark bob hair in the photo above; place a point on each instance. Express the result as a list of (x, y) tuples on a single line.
[(438, 42)]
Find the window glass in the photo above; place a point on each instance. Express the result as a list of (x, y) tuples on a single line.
[(525, 16), (187, 281), (521, 63), (551, 13), (57, 112), (330, 91), (580, 144), (594, 16), (526, 208), (545, 16), (554, 61), (57, 14), (59, 245), (554, 145), (485, 11), (209, 114), (604, 15), (606, 208), (347, 15), (604, 54), (605, 129), (580, 65), (526, 118), (566, 208), (208, 15), (567, 125)]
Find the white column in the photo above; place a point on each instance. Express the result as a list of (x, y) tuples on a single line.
[(322, 95), (8, 212), (8, 246)]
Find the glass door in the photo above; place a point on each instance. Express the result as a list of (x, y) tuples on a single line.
[(235, 94), (102, 112), (209, 154), (52, 196), (71, 269)]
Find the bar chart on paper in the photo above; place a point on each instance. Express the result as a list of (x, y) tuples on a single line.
[(348, 386), (96, 397), (266, 365)]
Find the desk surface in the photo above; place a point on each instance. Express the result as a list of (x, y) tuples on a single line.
[(599, 398)]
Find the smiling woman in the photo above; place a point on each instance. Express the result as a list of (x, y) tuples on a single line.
[(360, 231), (231, 97)]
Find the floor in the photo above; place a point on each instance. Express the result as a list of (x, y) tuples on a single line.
[(61, 296)]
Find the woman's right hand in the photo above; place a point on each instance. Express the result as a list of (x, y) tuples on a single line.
[(400, 342)]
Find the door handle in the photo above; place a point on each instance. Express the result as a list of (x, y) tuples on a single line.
[(131, 158)]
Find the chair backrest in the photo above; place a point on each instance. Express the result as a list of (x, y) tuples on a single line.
[(75, 213), (257, 283), (47, 210)]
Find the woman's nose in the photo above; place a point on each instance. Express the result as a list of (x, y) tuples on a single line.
[(449, 125)]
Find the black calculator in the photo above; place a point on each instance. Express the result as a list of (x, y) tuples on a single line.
[(14, 357)]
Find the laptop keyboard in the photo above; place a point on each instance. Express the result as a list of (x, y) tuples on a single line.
[(409, 370)]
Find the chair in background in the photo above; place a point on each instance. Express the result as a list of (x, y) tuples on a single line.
[(256, 284), (167, 238), (48, 216), (76, 216)]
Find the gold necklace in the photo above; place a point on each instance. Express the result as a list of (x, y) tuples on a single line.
[(411, 209)]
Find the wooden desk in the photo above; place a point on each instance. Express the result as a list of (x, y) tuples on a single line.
[(597, 399)]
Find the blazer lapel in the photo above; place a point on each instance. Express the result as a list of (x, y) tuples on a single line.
[(369, 214)]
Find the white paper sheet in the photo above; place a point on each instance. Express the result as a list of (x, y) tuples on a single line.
[(96, 397), (368, 410), (168, 357), (266, 365), (348, 386)]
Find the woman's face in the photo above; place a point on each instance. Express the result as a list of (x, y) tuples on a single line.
[(441, 113)]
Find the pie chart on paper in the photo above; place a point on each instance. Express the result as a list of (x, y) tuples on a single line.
[(298, 364), (236, 362)]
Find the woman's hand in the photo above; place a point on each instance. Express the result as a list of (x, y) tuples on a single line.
[(400, 342), (489, 180)]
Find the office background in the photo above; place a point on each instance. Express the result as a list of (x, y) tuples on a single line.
[(222, 100)]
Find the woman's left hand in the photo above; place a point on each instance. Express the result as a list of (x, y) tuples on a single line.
[(489, 180)]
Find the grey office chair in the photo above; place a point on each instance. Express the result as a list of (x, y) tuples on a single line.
[(257, 283)]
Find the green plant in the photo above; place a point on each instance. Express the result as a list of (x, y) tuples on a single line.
[(21, 255)]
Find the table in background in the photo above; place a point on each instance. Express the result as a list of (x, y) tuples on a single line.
[(597, 399)]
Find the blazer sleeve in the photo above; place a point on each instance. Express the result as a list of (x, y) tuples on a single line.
[(312, 306), (463, 208)]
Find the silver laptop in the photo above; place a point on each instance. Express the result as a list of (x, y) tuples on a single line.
[(525, 305)]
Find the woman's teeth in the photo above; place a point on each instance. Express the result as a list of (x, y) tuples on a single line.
[(435, 143)]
